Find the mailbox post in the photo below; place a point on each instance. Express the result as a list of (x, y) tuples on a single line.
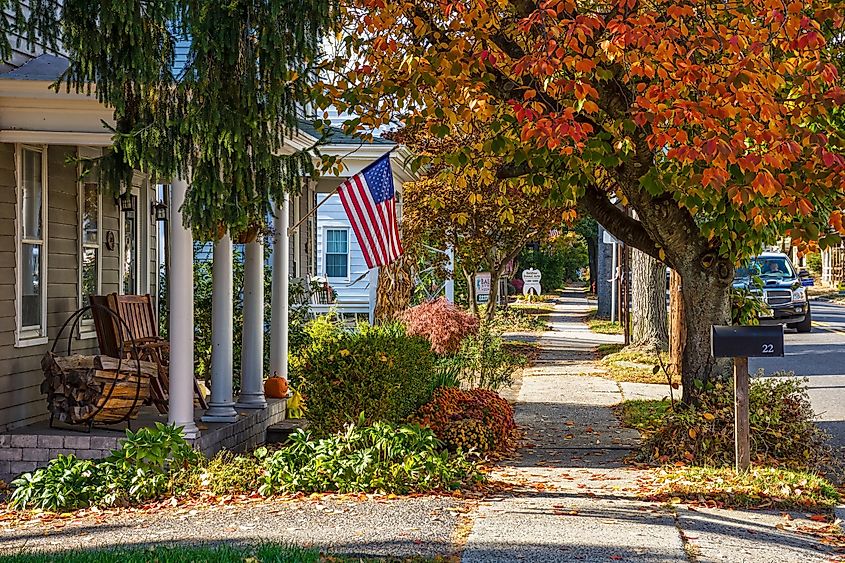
[(741, 343)]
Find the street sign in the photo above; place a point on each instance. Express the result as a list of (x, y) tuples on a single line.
[(747, 341), (482, 287), (741, 343)]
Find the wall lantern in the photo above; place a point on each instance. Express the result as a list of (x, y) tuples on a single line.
[(127, 203), (158, 210)]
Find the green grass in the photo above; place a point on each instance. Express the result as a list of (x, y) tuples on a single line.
[(602, 326), (643, 414), (763, 487), (618, 364), (605, 349), (262, 553)]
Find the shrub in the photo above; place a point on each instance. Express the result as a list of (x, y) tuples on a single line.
[(476, 419), (782, 429), (384, 458), (379, 371), (225, 473), (441, 323), (484, 361), (147, 465)]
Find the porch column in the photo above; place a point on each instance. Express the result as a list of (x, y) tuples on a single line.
[(181, 324), (221, 406), (252, 348), (279, 298)]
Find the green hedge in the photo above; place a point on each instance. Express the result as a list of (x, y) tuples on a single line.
[(378, 371)]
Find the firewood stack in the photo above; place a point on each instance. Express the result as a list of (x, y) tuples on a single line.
[(98, 389)]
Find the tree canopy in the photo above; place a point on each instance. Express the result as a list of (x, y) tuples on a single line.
[(220, 120), (715, 122)]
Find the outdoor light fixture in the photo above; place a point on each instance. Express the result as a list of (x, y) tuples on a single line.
[(158, 210), (127, 203)]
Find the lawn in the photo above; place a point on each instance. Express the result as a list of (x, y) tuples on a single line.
[(760, 487), (603, 326), (636, 366), (263, 553)]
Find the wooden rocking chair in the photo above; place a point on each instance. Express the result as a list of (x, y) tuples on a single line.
[(141, 329)]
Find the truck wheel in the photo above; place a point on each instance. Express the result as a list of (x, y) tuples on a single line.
[(806, 325)]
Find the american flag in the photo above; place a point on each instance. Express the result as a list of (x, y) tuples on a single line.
[(370, 203)]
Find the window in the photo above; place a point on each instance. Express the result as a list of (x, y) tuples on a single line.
[(89, 248), (31, 324), (129, 248), (337, 253)]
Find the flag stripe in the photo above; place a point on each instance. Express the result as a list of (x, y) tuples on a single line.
[(357, 219), (369, 200), (365, 202)]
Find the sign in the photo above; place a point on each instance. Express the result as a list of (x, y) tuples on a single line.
[(532, 278), (482, 287), (747, 341), (607, 238)]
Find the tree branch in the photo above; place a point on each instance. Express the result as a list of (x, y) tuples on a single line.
[(625, 228)]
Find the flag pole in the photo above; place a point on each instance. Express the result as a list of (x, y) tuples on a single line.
[(314, 209)]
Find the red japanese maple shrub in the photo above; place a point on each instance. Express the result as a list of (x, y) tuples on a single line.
[(441, 323)]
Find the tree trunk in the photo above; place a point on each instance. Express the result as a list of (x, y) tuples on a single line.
[(677, 328), (394, 290), (592, 258), (706, 301), (470, 277), (648, 293)]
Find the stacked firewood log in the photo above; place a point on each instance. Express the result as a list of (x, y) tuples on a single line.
[(95, 389)]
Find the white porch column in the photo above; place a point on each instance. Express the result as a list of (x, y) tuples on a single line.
[(181, 329), (252, 348), (449, 286), (221, 406), (279, 297)]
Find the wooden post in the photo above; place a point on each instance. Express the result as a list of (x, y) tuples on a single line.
[(741, 416)]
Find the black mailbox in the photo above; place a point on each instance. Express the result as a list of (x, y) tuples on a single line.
[(746, 341)]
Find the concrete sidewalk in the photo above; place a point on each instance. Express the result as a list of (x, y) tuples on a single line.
[(574, 498)]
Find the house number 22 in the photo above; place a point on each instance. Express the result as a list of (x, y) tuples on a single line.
[(768, 348)]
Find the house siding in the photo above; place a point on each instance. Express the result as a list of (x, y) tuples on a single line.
[(21, 401), (332, 215)]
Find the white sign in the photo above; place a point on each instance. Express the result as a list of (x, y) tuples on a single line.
[(607, 238), (532, 278), (482, 287)]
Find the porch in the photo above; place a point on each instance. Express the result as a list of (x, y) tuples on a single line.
[(26, 448)]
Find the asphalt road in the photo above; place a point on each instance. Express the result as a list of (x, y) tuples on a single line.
[(820, 357)]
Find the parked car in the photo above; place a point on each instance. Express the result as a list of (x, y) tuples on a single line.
[(782, 290)]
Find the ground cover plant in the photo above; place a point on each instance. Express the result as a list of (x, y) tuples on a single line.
[(783, 433), (383, 457), (475, 419), (759, 487), (159, 463)]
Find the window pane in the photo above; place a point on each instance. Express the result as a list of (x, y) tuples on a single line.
[(90, 227), (31, 285), (31, 195), (89, 275), (336, 241), (130, 252), (336, 265)]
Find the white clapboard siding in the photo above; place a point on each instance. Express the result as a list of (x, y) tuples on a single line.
[(332, 216)]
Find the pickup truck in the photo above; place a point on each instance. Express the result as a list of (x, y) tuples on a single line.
[(782, 290)]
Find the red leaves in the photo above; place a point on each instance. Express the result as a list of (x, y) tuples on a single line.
[(441, 323)]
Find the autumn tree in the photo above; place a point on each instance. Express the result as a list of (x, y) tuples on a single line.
[(488, 229), (710, 120)]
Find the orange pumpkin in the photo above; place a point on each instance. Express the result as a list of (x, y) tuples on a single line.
[(276, 387)]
